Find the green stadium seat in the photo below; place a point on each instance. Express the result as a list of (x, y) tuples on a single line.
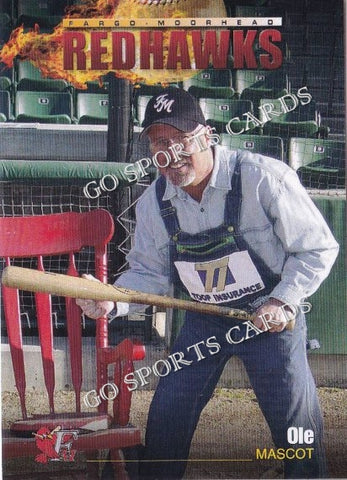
[(6, 6), (94, 86), (144, 89), (6, 77), (302, 121), (230, 5), (5, 83), (29, 78), (254, 85), (211, 92), (43, 107), (320, 163), (5, 106), (264, 144), (46, 13), (92, 108), (141, 104), (218, 112), (41, 8), (243, 79), (210, 84), (209, 78), (258, 11), (5, 27)]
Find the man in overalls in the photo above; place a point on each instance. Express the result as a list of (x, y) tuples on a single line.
[(235, 229)]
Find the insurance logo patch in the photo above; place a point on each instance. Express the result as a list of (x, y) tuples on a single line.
[(221, 280)]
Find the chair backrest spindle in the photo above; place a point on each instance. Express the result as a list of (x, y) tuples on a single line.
[(74, 329), (44, 321), (47, 235), (14, 332)]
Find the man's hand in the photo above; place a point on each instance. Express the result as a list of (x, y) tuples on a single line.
[(274, 314), (94, 308)]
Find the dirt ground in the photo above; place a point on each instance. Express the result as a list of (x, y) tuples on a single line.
[(230, 429)]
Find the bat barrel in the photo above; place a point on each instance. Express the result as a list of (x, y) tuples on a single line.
[(76, 287)]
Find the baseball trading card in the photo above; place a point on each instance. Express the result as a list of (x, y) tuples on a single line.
[(172, 239)]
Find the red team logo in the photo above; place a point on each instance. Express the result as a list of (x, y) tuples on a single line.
[(55, 445)]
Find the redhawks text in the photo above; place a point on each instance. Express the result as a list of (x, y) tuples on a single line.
[(209, 48)]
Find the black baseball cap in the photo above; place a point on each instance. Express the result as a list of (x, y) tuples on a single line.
[(175, 107)]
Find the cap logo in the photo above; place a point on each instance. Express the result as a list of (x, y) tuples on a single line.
[(163, 103)]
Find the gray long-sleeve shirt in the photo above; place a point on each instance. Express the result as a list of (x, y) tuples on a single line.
[(278, 220)]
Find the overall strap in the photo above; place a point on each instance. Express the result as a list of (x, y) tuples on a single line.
[(233, 200), (167, 211), (232, 215)]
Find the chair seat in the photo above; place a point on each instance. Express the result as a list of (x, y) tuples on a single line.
[(307, 128), (59, 118), (115, 438), (57, 438), (211, 92), (92, 120), (86, 422)]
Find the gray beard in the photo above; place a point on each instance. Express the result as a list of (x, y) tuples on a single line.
[(181, 180)]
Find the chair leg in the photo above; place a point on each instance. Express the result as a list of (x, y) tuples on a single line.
[(93, 467), (118, 462)]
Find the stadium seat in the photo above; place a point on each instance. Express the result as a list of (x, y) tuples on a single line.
[(258, 11), (6, 6), (29, 78), (210, 84), (264, 144), (94, 86), (211, 92), (41, 8), (5, 27), (218, 112), (43, 107), (144, 89), (256, 84), (302, 121), (45, 13), (140, 108), (209, 78), (230, 5), (320, 163), (6, 77), (5, 83), (92, 108), (5, 106)]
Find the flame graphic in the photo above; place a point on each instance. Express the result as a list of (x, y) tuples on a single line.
[(45, 50)]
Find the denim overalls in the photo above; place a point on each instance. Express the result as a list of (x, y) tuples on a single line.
[(211, 267), (216, 266)]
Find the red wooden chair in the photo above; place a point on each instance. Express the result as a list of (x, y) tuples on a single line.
[(57, 234)]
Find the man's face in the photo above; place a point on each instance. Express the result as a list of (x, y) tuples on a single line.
[(183, 166)]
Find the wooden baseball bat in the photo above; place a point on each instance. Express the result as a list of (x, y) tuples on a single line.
[(76, 287)]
